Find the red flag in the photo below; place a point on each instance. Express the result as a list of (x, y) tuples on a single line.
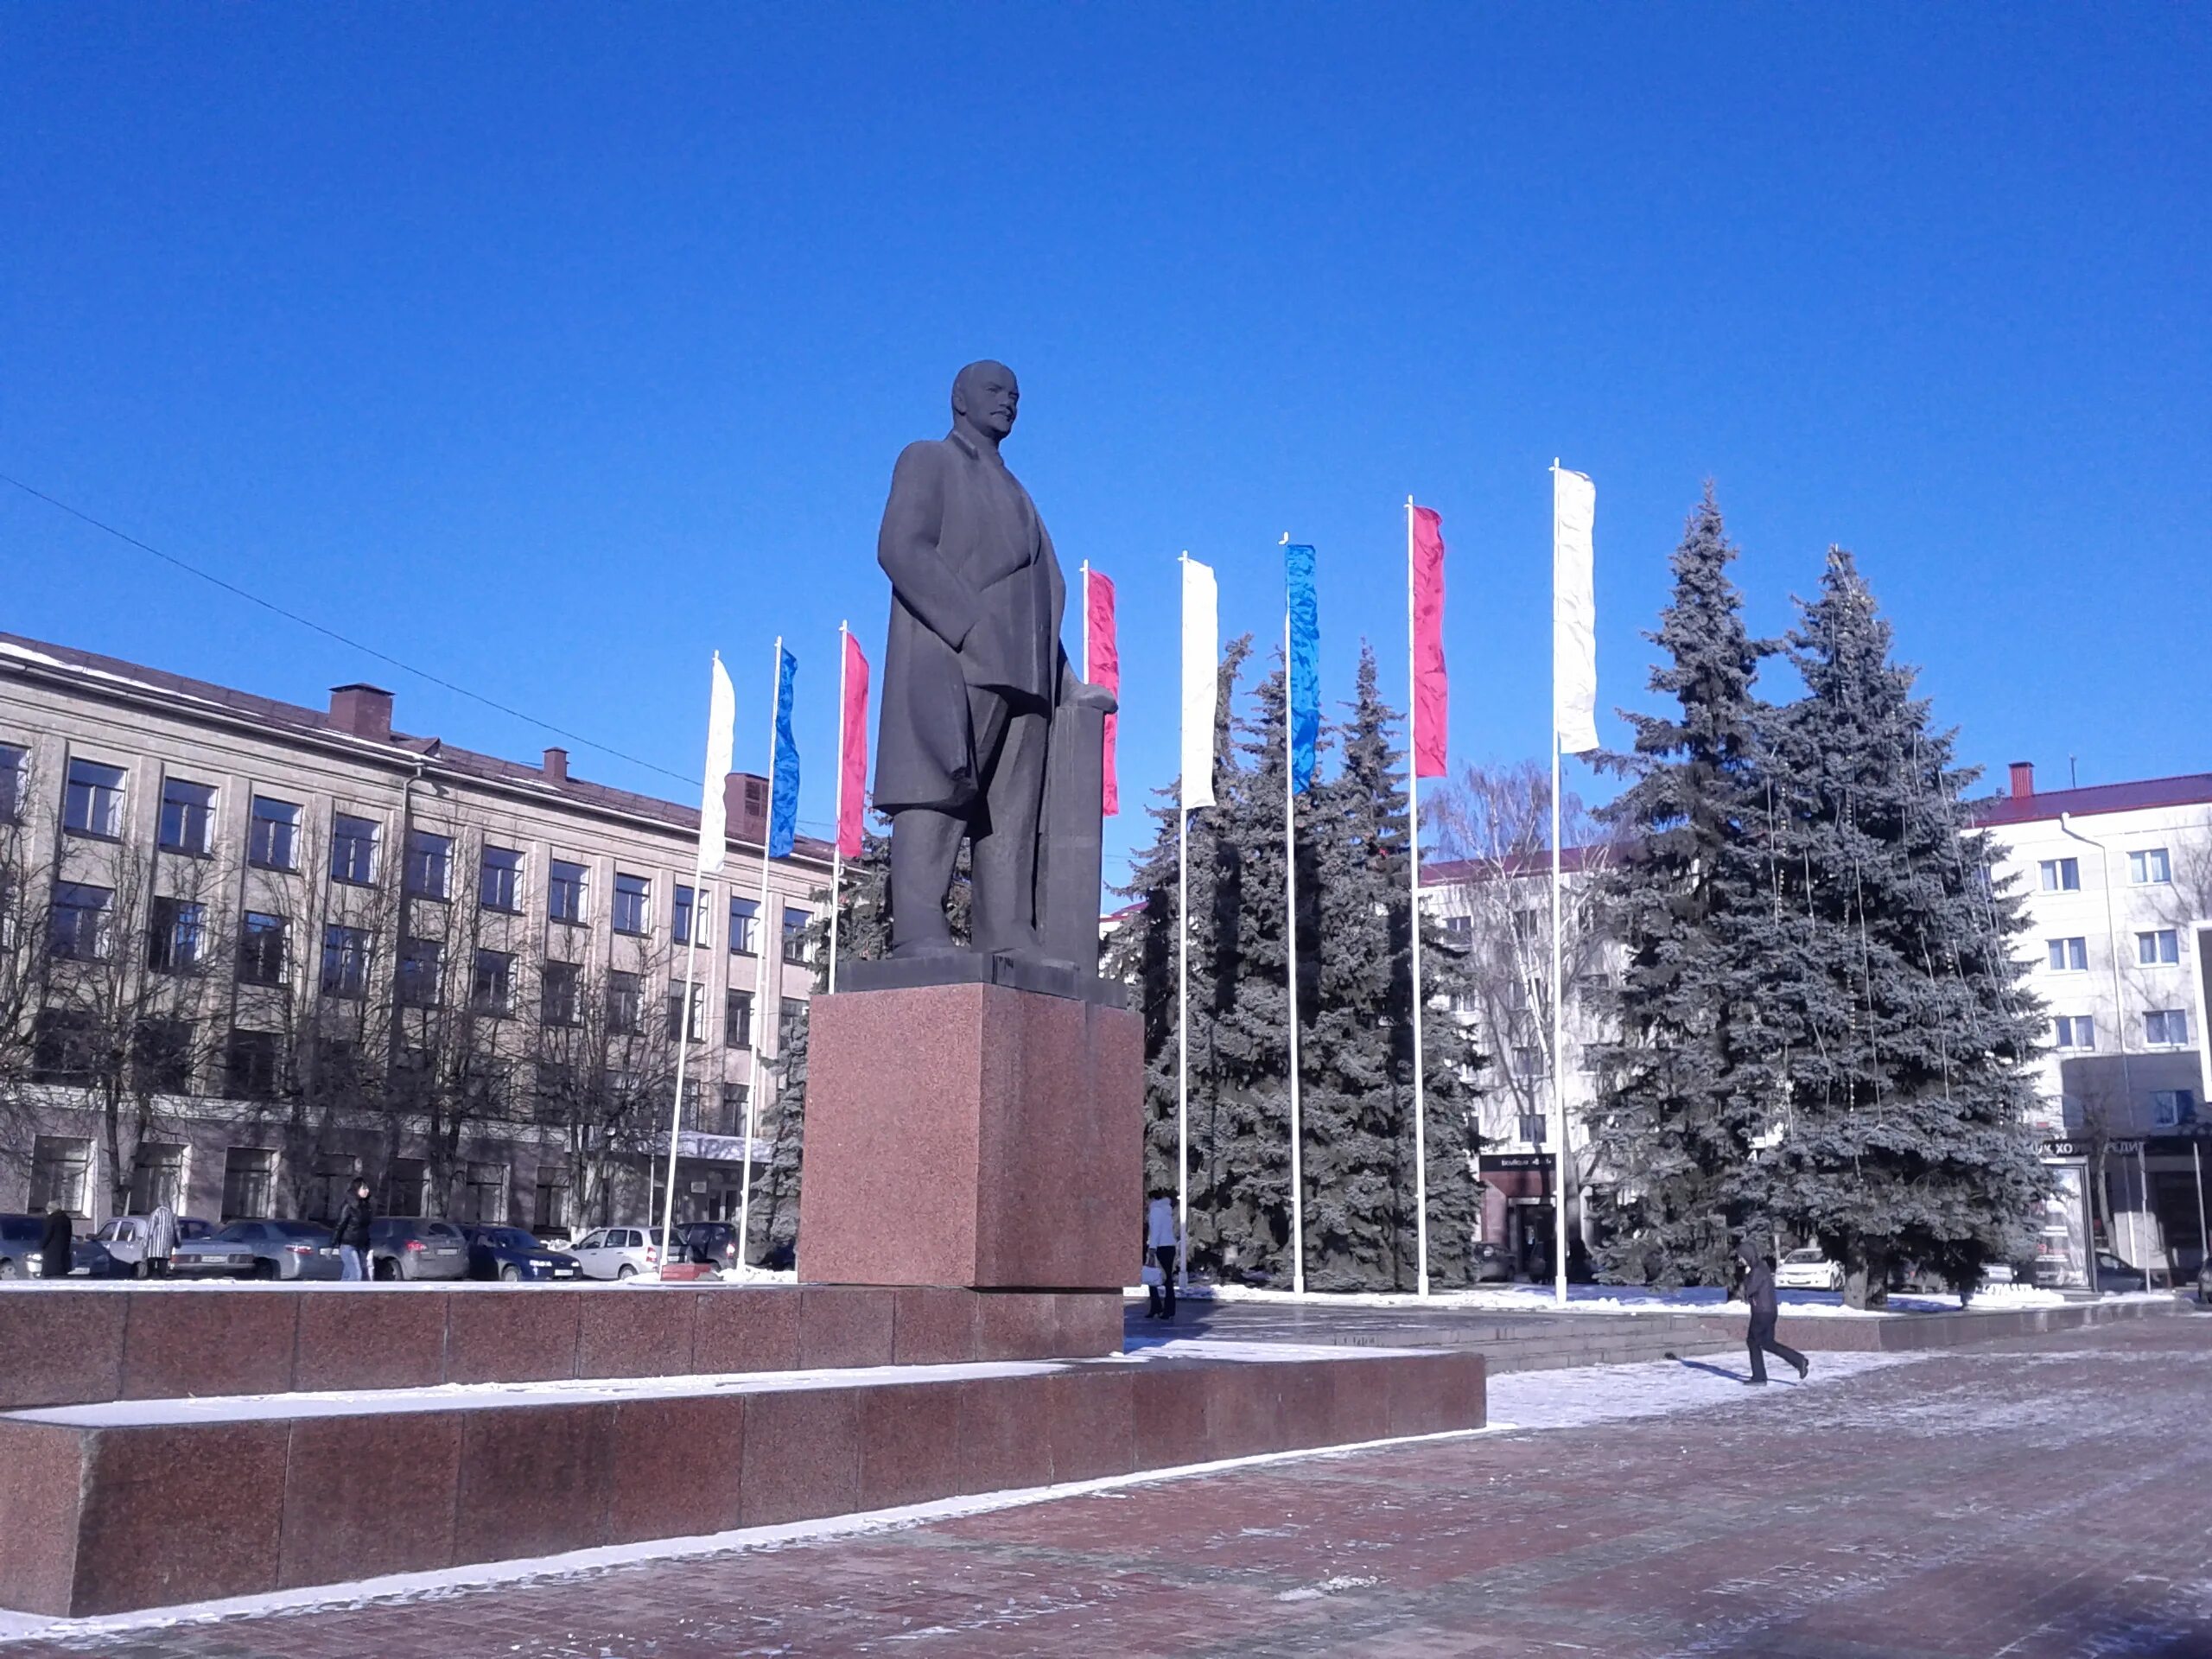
[(1431, 689), (1105, 667), (852, 751)]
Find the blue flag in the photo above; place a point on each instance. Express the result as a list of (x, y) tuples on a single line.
[(782, 808), (1304, 665)]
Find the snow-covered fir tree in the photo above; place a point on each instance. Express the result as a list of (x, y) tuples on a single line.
[(1907, 1130), (1692, 1074)]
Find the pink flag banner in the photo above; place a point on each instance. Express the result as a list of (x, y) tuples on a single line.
[(1104, 669), (1432, 687), (852, 751)]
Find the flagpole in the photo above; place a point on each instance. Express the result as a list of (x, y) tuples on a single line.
[(1412, 883), (761, 945), (1183, 1004), (1290, 941), (683, 1054), (837, 830), (1560, 1159)]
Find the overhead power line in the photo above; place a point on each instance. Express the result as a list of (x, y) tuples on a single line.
[(424, 674)]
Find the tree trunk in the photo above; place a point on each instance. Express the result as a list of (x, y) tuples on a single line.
[(1865, 1277)]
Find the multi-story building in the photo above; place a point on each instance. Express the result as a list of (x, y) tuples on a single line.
[(251, 950), (2116, 879)]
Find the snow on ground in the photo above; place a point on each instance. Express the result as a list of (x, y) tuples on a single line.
[(1535, 1401), (1630, 1299)]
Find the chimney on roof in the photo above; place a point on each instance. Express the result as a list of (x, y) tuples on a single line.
[(745, 801), (556, 766), (364, 710), (2023, 779)]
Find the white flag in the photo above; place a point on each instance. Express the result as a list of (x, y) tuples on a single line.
[(1574, 612), (1201, 679), (714, 799)]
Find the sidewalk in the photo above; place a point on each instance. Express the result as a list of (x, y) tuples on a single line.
[(2040, 1499)]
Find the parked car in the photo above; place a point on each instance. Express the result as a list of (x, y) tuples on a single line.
[(1809, 1269), (416, 1246), (260, 1249), (713, 1243), (619, 1252), (2115, 1276), (20, 1257), (512, 1255)]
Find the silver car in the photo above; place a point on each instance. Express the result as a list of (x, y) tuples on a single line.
[(261, 1250), (416, 1246), (621, 1252)]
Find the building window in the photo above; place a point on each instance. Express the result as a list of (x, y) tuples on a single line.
[(2075, 1030), (1534, 1128), (492, 982), (249, 1066), (564, 892), (790, 1020), (633, 904), (64, 1046), (406, 1184), (160, 1051), (345, 961), (2158, 947), (81, 929), (737, 1020), (2165, 1027), (91, 802), (14, 764), (2061, 874), (795, 923), (421, 972), (429, 865), (330, 1185), (626, 1000), (156, 1177), (694, 1028), (273, 838), (549, 1198), (2172, 1108), (560, 993), (744, 927), (687, 906), (261, 949), (1459, 927), (499, 880), (736, 1098), (187, 817), (249, 1182), (2150, 867), (176, 943), (484, 1195), (354, 850), (62, 1172), (2069, 956)]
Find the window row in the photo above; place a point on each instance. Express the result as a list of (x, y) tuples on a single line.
[(2151, 867), (2162, 1028), (2154, 947)]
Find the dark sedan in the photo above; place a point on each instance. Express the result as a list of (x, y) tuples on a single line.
[(711, 1244), (511, 1254)]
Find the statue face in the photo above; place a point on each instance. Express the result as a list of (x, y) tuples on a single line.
[(988, 395)]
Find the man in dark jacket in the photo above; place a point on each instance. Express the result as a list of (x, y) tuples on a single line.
[(56, 1245), (1758, 1293), (352, 1233)]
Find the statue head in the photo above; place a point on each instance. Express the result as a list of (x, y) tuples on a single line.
[(985, 395)]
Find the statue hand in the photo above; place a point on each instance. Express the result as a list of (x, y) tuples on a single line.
[(1083, 694)]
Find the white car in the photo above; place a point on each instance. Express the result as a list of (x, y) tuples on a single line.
[(1808, 1270), (617, 1252)]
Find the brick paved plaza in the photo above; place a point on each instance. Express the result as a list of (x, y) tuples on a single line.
[(2040, 1499)]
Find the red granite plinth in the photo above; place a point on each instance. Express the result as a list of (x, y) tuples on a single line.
[(972, 1136)]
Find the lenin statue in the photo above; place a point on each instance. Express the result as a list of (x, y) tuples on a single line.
[(976, 691)]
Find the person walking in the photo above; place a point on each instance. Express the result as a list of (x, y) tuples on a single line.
[(1160, 1249), (161, 1240), (56, 1245), (1758, 1293), (352, 1233)]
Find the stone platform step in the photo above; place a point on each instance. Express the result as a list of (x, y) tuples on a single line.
[(70, 1345), (133, 1503)]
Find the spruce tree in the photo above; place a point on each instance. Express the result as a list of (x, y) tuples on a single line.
[(1911, 1083), (1692, 1075)]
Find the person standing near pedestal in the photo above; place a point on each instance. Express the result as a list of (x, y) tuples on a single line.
[(351, 1233), (161, 1240), (1161, 1251), (1758, 1294), (57, 1246)]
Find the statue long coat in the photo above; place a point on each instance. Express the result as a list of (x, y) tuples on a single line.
[(976, 597)]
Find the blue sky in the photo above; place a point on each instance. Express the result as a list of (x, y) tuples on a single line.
[(550, 347)]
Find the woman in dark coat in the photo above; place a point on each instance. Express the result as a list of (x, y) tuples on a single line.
[(55, 1245)]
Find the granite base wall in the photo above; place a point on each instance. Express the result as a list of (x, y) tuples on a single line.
[(119, 1516), (67, 1346)]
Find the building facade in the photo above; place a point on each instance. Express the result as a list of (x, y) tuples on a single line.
[(253, 949)]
